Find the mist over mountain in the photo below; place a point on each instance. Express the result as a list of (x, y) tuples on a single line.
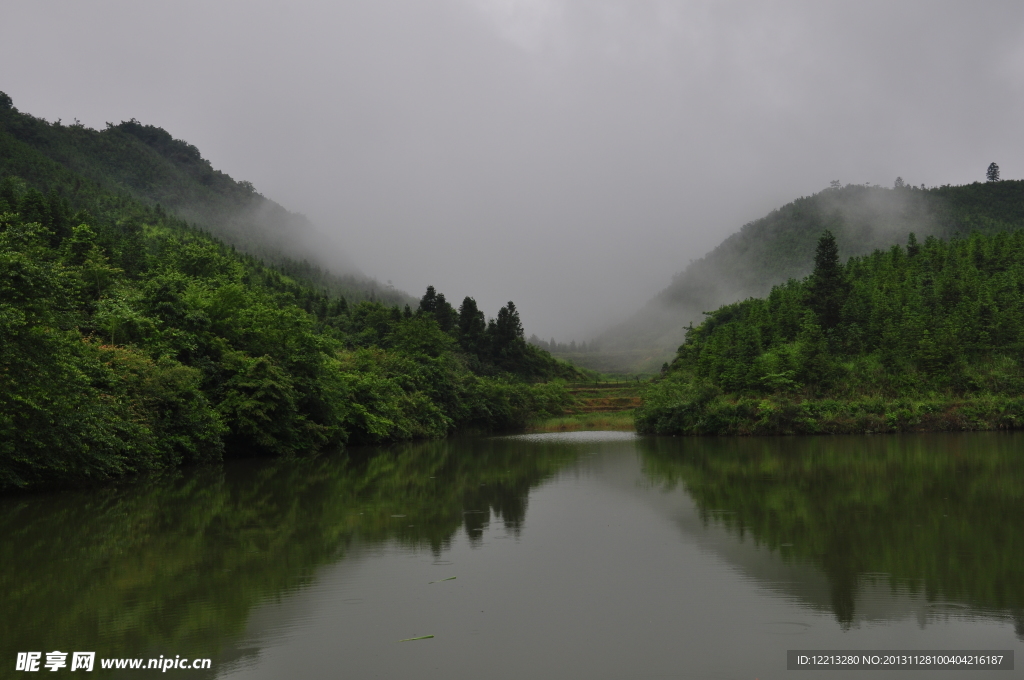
[(569, 155), (781, 246), (147, 163)]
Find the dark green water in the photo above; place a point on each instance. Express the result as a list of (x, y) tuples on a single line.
[(594, 555)]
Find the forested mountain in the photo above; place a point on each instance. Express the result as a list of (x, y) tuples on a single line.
[(780, 246), (131, 340), (926, 336), (149, 165)]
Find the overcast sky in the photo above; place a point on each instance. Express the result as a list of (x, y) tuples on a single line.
[(567, 155)]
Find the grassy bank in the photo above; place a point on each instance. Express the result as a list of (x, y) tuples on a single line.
[(724, 415), (618, 420)]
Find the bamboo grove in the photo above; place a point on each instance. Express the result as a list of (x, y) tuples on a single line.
[(923, 336)]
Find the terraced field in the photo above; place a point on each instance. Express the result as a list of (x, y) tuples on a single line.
[(599, 406), (605, 397)]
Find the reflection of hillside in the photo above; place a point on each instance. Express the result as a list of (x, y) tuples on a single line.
[(893, 525), (180, 562)]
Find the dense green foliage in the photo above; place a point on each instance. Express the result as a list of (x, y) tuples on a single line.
[(926, 336), (131, 341), (781, 246)]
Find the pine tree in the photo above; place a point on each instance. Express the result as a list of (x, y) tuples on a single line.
[(992, 174), (428, 303), (507, 325), (828, 286), (445, 314), (508, 348), (471, 326)]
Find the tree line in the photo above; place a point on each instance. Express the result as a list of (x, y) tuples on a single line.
[(570, 347)]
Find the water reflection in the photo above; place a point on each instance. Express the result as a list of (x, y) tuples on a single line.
[(937, 516), (863, 528), (178, 562)]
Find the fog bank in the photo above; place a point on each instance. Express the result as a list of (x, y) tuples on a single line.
[(568, 155)]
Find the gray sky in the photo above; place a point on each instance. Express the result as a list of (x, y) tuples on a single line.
[(567, 155)]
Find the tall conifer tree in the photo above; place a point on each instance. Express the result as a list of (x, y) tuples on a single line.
[(828, 286)]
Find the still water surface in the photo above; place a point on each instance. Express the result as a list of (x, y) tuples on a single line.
[(589, 555)]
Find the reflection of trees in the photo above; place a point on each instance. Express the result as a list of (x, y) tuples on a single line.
[(938, 512), (178, 562), (444, 486)]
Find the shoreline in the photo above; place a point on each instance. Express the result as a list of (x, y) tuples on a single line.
[(601, 420), (871, 415)]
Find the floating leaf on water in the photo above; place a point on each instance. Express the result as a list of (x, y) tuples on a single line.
[(450, 578), (421, 637)]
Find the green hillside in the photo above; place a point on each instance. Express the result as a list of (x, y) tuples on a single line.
[(780, 246), (927, 336), (147, 164), (132, 340)]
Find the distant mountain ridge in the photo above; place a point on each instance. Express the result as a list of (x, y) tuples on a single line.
[(150, 165), (781, 245)]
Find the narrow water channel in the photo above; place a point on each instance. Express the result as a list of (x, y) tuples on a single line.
[(587, 555)]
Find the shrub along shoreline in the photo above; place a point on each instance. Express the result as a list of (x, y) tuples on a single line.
[(866, 415)]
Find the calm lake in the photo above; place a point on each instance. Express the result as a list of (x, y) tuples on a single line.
[(581, 555)]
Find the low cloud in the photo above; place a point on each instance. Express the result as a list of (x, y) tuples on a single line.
[(570, 155)]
